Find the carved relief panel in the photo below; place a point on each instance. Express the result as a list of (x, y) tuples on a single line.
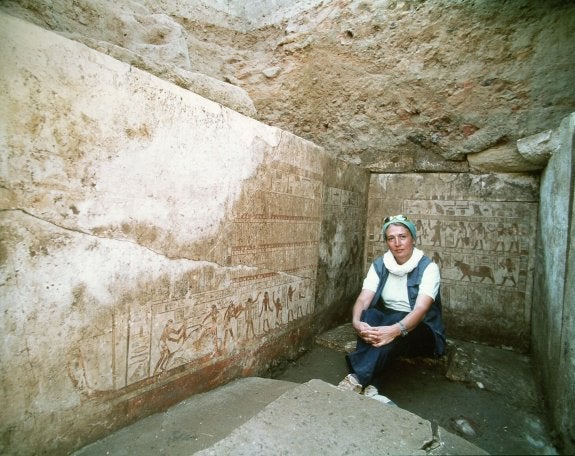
[(257, 279)]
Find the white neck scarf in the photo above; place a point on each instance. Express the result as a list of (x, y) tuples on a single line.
[(405, 268)]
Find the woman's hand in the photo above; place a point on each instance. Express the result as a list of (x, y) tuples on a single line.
[(360, 327), (377, 335)]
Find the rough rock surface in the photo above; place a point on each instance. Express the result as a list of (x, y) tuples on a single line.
[(130, 32), (393, 86), (317, 417)]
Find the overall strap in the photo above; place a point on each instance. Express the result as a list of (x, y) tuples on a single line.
[(414, 279), (382, 273)]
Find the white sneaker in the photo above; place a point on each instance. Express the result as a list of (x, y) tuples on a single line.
[(384, 400), (370, 391), (350, 383)]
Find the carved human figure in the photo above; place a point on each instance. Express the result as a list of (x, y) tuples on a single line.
[(170, 341), (251, 309), (420, 229), (436, 258), (461, 235), (212, 327), (302, 293), (290, 313), (479, 234), (278, 305), (299, 308), (508, 271), (436, 238), (232, 313), (514, 238), (500, 232), (266, 308), (290, 293)]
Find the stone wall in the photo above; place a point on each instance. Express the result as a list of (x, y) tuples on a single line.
[(553, 332), (154, 243), (479, 230)]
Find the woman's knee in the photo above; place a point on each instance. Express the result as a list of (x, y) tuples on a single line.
[(371, 316)]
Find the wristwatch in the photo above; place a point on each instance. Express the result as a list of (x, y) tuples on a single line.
[(404, 331)]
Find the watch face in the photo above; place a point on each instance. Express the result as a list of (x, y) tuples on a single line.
[(403, 329)]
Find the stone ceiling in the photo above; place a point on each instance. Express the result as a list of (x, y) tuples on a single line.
[(392, 86)]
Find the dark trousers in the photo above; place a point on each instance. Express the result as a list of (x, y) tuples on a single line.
[(369, 362)]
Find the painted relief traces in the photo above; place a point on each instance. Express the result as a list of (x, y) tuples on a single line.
[(268, 248), (208, 324)]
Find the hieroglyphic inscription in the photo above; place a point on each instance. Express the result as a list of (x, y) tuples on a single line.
[(277, 224), (342, 207), (343, 235), (473, 242), (343, 204)]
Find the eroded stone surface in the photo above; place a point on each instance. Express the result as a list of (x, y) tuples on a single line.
[(155, 244), (316, 417), (540, 147), (393, 86), (554, 287), (133, 33), (504, 158)]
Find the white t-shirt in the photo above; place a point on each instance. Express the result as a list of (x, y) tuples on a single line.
[(394, 292)]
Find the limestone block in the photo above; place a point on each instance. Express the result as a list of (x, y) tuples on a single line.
[(539, 148), (414, 159), (229, 95), (343, 338), (154, 36), (155, 244), (553, 303), (316, 417), (502, 159), (477, 364), (132, 33)]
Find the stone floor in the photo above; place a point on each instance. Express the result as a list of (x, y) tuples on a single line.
[(481, 399), (484, 394)]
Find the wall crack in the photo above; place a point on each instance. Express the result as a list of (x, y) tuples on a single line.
[(87, 233)]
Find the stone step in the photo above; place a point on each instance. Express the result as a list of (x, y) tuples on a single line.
[(318, 418), (256, 416), (193, 424)]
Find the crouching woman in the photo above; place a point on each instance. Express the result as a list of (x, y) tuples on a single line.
[(398, 312)]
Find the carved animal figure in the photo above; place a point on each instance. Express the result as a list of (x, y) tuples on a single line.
[(484, 272)]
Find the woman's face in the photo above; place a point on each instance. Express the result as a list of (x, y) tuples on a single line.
[(400, 242)]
